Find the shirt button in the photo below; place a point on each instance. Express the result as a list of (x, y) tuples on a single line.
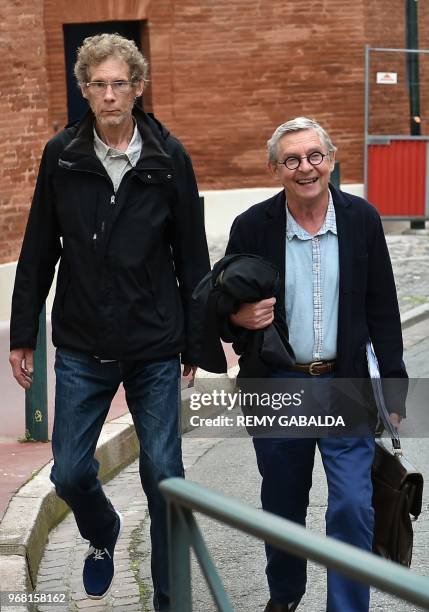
[(168, 175), (149, 176)]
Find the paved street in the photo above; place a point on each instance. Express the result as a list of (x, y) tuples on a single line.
[(410, 259)]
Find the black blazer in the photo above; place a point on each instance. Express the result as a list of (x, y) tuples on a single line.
[(368, 304)]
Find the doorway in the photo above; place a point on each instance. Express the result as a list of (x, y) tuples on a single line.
[(74, 34)]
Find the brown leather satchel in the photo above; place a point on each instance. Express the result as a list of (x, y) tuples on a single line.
[(398, 491)]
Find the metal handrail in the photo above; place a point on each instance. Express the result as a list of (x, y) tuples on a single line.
[(183, 497)]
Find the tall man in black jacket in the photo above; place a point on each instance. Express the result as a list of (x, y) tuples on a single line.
[(116, 201), (338, 292)]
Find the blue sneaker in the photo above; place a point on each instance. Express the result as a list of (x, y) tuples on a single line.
[(99, 569)]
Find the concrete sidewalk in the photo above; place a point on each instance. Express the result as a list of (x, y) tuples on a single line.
[(34, 510)]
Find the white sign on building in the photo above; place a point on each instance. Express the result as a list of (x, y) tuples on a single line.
[(387, 78)]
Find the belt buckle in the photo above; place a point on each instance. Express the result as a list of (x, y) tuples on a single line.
[(311, 368)]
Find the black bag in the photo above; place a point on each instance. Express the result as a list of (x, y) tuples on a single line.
[(397, 485), (397, 494)]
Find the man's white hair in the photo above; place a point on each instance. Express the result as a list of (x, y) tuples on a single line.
[(297, 125)]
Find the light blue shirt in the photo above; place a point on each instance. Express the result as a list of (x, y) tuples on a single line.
[(311, 288)]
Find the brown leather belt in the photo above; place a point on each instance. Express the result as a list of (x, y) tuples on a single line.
[(315, 368)]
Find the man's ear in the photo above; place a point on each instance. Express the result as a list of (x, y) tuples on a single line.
[(83, 90), (139, 88), (332, 161), (272, 169)]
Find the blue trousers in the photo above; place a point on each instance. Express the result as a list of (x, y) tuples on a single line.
[(84, 390), (286, 467)]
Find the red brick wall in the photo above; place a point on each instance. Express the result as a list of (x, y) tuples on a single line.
[(23, 116), (241, 69), (224, 74)]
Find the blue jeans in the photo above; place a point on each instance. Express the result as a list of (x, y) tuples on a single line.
[(84, 390), (286, 467)]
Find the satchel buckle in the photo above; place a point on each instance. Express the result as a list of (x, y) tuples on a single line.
[(397, 450), (311, 367)]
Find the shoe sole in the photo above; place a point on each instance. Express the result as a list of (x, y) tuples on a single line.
[(121, 524)]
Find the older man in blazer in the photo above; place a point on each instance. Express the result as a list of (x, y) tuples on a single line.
[(338, 292)]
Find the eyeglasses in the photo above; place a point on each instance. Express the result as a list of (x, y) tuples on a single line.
[(118, 87), (292, 163)]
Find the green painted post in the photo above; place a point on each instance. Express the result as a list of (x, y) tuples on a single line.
[(207, 566), (36, 398), (335, 176), (180, 560), (413, 77)]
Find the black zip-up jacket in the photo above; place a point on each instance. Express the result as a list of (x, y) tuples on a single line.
[(128, 261)]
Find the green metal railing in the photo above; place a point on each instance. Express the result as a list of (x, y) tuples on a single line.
[(184, 497), (36, 398), (335, 175)]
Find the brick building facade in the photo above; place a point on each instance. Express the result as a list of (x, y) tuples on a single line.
[(224, 74)]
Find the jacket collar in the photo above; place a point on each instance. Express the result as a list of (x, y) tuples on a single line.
[(80, 154), (274, 239), (345, 231), (276, 205), (339, 198)]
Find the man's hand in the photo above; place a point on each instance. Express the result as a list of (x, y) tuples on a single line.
[(21, 361), (395, 419), (255, 315), (190, 369)]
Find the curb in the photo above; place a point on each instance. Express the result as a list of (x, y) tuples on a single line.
[(35, 509), (415, 315)]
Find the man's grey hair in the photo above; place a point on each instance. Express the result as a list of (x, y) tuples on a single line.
[(297, 125), (96, 49)]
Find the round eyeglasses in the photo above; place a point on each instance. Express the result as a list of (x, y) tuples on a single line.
[(292, 163), (118, 87)]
